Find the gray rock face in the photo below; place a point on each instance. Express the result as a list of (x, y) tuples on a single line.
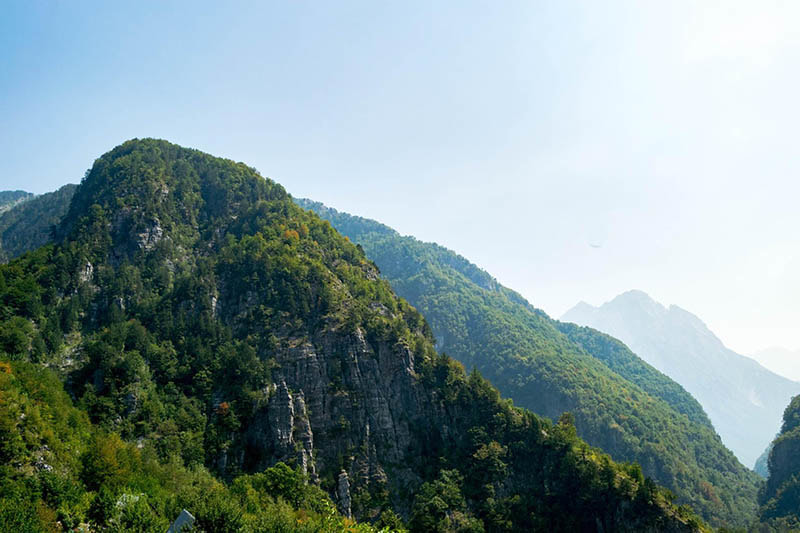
[(357, 399), (281, 419), (85, 275), (355, 413), (343, 493)]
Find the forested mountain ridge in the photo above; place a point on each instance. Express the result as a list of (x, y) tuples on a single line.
[(620, 403), (203, 323), (9, 199), (28, 225), (743, 399), (780, 500)]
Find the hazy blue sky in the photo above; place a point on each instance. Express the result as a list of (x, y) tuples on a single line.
[(516, 133)]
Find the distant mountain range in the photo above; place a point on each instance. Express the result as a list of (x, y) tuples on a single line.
[(620, 403), (744, 400)]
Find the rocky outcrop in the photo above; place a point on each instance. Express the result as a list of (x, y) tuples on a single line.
[(343, 494), (358, 400)]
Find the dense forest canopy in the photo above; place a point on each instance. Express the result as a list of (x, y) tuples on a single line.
[(29, 225), (620, 403), (193, 339)]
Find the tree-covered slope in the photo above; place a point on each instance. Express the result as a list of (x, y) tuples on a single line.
[(59, 472), (743, 399), (780, 500), (620, 403), (762, 463), (8, 199), (28, 225), (205, 323)]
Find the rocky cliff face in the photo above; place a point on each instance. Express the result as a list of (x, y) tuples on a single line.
[(210, 309), (619, 402)]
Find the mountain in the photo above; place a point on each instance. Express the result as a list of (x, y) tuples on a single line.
[(782, 361), (780, 499), (762, 463), (27, 225), (193, 339), (9, 199), (743, 399), (620, 403)]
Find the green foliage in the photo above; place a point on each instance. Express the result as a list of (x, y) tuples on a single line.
[(175, 281), (10, 199), (780, 499), (121, 487), (619, 402), (439, 506), (27, 225)]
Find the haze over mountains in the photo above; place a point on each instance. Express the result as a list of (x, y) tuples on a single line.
[(620, 403), (193, 339), (744, 400), (781, 361)]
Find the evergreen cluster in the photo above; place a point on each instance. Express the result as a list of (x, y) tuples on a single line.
[(28, 223)]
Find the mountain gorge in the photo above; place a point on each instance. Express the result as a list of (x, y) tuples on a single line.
[(620, 403), (743, 399), (194, 339)]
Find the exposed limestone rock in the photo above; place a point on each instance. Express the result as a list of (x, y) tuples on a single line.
[(151, 235), (281, 419), (87, 272), (303, 436), (343, 494)]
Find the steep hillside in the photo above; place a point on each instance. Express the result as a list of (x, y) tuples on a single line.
[(201, 319), (762, 463), (9, 199), (28, 225), (620, 403), (743, 399), (781, 497)]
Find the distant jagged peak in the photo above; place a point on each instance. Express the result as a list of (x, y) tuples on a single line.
[(634, 300), (583, 306), (637, 298)]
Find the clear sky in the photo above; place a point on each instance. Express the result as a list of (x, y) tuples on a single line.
[(516, 133)]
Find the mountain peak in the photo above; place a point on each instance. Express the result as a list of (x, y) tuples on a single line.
[(638, 298), (146, 189)]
